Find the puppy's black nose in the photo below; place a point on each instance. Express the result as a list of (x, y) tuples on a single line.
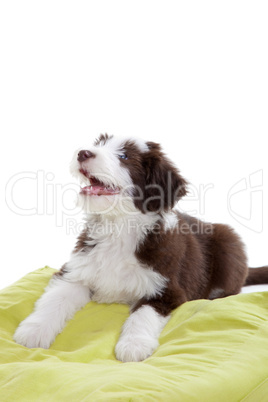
[(84, 154)]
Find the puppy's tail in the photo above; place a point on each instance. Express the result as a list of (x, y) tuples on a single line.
[(257, 276)]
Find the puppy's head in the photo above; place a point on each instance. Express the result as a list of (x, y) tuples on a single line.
[(125, 175)]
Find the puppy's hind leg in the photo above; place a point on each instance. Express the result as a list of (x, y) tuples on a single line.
[(229, 268), (57, 305)]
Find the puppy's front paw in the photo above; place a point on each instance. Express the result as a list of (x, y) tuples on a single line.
[(32, 335), (135, 350)]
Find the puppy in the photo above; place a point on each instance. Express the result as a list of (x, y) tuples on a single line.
[(136, 249)]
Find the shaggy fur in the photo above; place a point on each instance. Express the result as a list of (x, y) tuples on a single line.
[(137, 249)]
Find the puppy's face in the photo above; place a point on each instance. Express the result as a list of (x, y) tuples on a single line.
[(122, 176)]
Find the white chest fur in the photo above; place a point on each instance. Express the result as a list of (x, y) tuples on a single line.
[(110, 269)]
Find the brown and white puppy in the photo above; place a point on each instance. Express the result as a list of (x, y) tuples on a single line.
[(137, 249)]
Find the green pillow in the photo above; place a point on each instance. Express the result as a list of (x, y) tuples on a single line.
[(209, 351)]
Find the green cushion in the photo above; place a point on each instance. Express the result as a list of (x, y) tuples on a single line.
[(209, 351)]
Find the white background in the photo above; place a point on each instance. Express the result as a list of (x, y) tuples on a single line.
[(191, 75)]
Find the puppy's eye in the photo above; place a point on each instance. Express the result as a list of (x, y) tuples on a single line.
[(122, 156)]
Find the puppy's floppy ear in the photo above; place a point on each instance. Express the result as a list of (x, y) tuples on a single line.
[(164, 185)]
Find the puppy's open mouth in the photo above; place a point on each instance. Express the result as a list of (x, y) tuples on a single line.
[(97, 187)]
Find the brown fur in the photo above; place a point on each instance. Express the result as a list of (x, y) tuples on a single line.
[(102, 139), (158, 183), (200, 260), (81, 246), (257, 276), (206, 264), (61, 272), (82, 242)]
